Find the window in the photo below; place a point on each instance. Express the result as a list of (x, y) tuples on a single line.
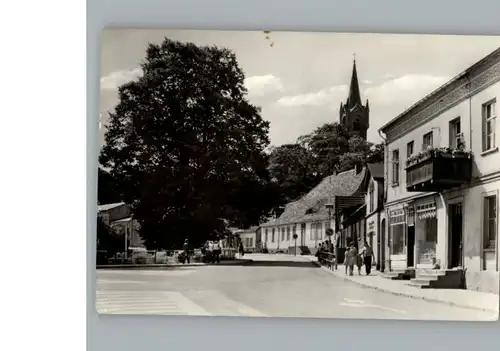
[(288, 233), (489, 125), (397, 231), (410, 149), (250, 242), (428, 142), (294, 229), (272, 235), (283, 234), (456, 141), (490, 233), (431, 230), (395, 167), (319, 231), (313, 225), (490, 222), (266, 236)]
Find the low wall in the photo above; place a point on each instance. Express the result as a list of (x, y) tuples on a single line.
[(485, 281)]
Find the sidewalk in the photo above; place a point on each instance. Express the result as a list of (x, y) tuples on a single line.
[(459, 298)]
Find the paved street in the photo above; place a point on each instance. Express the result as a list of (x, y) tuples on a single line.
[(273, 286)]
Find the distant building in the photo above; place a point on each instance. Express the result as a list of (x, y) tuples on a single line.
[(248, 238), (118, 217), (355, 116), (374, 205), (310, 216)]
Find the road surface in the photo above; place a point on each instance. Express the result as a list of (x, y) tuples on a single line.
[(272, 286)]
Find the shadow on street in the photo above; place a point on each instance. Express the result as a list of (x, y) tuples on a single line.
[(271, 263)]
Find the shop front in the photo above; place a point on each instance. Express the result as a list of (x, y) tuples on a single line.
[(397, 236), (426, 233)]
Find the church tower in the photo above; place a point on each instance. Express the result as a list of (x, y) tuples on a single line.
[(353, 115)]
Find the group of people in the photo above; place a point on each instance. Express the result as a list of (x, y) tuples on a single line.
[(353, 257), (212, 251)]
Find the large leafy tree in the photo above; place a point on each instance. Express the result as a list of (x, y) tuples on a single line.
[(108, 189), (187, 147), (107, 239), (336, 149), (293, 170), (327, 144)]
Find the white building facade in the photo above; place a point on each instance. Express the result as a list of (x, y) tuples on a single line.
[(442, 179)]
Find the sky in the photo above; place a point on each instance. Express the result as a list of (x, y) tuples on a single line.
[(299, 79)]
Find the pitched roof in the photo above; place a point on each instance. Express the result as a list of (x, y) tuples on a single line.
[(107, 207), (247, 230), (376, 170), (312, 206)]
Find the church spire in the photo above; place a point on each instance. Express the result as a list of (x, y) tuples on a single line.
[(354, 95)]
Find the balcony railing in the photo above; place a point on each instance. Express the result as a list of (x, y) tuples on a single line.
[(438, 169)]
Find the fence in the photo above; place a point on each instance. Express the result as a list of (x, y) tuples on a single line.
[(158, 257)]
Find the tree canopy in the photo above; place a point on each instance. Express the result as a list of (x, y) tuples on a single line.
[(293, 170), (108, 189), (186, 146), (107, 238), (297, 168)]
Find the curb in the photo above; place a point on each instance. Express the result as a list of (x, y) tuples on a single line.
[(425, 298), (145, 266)]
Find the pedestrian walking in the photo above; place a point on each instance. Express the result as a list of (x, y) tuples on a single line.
[(217, 251), (350, 258), (210, 251), (359, 263), (185, 248), (367, 253), (241, 250)]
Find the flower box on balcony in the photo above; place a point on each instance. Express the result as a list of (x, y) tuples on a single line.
[(438, 169)]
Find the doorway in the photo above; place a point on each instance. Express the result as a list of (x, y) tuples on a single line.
[(455, 236), (302, 234), (382, 246), (411, 247)]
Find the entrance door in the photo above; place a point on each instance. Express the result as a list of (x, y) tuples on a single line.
[(411, 247), (455, 236)]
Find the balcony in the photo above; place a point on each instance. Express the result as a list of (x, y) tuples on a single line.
[(438, 170)]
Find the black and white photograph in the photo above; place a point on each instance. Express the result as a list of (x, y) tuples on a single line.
[(298, 174)]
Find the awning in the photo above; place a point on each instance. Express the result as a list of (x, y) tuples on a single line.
[(427, 211)]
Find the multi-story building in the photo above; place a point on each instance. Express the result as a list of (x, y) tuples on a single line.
[(374, 204), (442, 175)]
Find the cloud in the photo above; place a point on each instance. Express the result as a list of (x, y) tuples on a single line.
[(262, 85), (115, 79), (321, 97), (367, 81), (404, 89)]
